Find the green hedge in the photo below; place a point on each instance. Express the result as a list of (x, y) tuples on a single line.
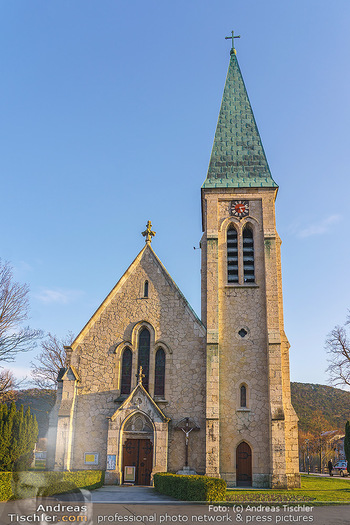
[(190, 488), (5, 486), (29, 484)]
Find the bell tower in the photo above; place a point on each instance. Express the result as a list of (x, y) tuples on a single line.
[(251, 434)]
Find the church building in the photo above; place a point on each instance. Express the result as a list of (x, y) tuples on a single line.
[(148, 386)]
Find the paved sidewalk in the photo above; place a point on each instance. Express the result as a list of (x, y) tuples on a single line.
[(130, 494)]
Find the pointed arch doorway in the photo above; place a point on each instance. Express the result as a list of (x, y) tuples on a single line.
[(137, 459), (243, 465), (138, 417)]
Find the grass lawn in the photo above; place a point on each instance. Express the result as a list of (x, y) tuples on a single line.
[(314, 491)]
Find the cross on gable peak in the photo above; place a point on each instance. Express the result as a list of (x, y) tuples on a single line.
[(148, 233)]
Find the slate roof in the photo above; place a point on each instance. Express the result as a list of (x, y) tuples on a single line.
[(237, 159), (64, 371)]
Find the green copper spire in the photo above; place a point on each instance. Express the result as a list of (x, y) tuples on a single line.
[(237, 159)]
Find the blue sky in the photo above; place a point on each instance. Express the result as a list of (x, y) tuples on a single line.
[(108, 113)]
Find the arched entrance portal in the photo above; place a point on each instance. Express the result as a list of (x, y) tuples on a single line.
[(243, 465), (137, 450)]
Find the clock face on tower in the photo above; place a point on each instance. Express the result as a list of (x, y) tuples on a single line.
[(239, 208)]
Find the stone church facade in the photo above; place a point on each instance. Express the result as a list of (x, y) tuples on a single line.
[(149, 387)]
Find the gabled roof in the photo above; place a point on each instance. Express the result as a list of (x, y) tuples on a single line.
[(128, 403), (237, 159), (146, 249), (68, 373)]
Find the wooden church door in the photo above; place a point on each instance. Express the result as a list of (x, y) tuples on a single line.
[(243, 465), (138, 453)]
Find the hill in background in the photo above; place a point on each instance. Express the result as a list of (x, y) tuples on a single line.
[(320, 408), (40, 403)]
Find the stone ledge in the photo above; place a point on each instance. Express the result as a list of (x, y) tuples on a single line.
[(244, 285), (212, 336), (269, 234), (160, 401), (274, 337)]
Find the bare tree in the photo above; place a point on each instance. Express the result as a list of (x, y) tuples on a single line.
[(338, 348), (51, 359), (14, 310), (9, 386)]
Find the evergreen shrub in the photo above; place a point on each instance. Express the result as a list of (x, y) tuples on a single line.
[(29, 484), (5, 486), (347, 443), (190, 488), (18, 434)]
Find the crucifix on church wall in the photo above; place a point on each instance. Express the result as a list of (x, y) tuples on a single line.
[(186, 425)]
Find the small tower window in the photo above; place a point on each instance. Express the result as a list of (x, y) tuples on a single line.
[(145, 289), (125, 386), (159, 376), (243, 396), (232, 256), (242, 332), (248, 255), (143, 360)]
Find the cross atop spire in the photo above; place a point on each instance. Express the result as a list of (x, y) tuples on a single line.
[(148, 233), (233, 51)]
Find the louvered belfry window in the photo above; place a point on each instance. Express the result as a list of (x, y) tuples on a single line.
[(248, 255), (143, 360), (232, 256), (159, 376), (125, 386)]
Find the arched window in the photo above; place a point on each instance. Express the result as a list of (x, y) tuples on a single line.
[(145, 289), (143, 360), (243, 396), (138, 423), (159, 376), (248, 255), (232, 255), (125, 385)]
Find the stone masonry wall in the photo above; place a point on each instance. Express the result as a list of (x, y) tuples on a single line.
[(259, 360), (97, 357), (243, 360)]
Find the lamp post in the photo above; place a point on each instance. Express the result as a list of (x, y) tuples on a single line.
[(307, 456)]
